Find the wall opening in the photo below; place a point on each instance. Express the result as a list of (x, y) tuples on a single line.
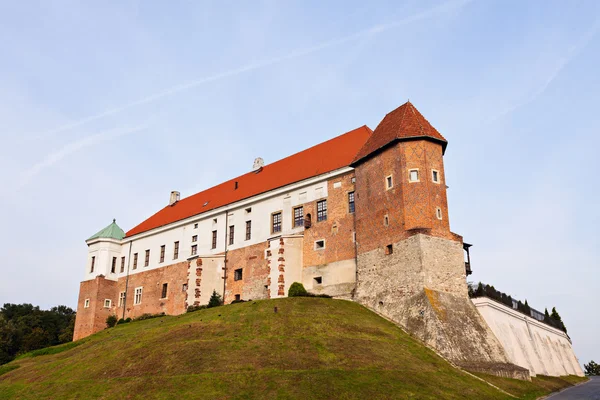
[(318, 280), (389, 249)]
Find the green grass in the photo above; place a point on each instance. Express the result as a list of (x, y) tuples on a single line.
[(539, 386), (51, 350), (7, 368), (310, 349)]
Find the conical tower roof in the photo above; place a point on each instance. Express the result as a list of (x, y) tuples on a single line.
[(404, 123), (112, 231)]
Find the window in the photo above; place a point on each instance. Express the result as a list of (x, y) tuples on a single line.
[(122, 264), (121, 299), (93, 264), (86, 303), (231, 234), (138, 296), (389, 249), (194, 249), (386, 220), (413, 175), (164, 290), (238, 297), (321, 210), (435, 176), (318, 280), (353, 237), (351, 202), (320, 244), (214, 239), (438, 213), (162, 253), (113, 267), (184, 287), (248, 230), (176, 251), (248, 210), (237, 275), (147, 259), (276, 222), (135, 260), (107, 303), (298, 216), (353, 180), (195, 238), (196, 225), (389, 183)]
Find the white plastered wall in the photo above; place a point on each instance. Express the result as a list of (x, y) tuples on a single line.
[(528, 342)]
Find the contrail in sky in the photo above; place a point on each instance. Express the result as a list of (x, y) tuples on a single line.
[(560, 65), (442, 8), (70, 148)]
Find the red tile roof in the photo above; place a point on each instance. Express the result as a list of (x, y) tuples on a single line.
[(405, 122), (322, 158)]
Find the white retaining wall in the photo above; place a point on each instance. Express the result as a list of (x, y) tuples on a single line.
[(528, 342)]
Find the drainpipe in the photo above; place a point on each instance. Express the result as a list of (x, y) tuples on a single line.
[(127, 280), (225, 259)]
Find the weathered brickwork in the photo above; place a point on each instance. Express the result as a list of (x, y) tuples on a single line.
[(255, 273), (405, 208), (92, 319), (174, 275), (337, 230)]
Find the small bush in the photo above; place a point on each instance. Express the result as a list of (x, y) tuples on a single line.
[(111, 321), (297, 290), (238, 301), (148, 316), (196, 308)]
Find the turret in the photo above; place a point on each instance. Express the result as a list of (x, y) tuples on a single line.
[(104, 253)]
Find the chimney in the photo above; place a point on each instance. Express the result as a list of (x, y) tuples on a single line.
[(174, 197), (258, 164)]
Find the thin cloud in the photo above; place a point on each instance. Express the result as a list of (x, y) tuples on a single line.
[(431, 12), (555, 72), (71, 148)]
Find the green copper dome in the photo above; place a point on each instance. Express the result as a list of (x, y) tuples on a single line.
[(113, 231)]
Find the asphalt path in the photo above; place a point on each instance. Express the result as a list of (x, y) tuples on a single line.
[(587, 391)]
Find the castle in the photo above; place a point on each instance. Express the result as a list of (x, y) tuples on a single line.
[(363, 216)]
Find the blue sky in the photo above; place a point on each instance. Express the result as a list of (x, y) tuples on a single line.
[(106, 107)]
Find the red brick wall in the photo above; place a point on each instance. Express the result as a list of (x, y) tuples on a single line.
[(255, 273), (409, 207), (175, 275), (337, 230), (93, 319)]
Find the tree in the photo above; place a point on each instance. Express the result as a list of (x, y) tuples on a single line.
[(526, 308), (592, 369), (556, 317), (215, 300)]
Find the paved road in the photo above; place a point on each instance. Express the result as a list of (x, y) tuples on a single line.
[(587, 391)]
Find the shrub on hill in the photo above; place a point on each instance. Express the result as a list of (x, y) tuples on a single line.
[(296, 290), (196, 308), (215, 300), (111, 321)]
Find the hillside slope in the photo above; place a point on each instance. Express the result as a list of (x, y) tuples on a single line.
[(309, 349)]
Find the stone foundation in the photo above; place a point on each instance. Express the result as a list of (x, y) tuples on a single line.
[(421, 286)]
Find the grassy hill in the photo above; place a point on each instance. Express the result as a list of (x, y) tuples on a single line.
[(309, 349)]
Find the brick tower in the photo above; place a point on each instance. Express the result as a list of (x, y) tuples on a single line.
[(410, 266), (98, 292)]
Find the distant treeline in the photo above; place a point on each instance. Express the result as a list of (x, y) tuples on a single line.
[(24, 328), (482, 290)]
